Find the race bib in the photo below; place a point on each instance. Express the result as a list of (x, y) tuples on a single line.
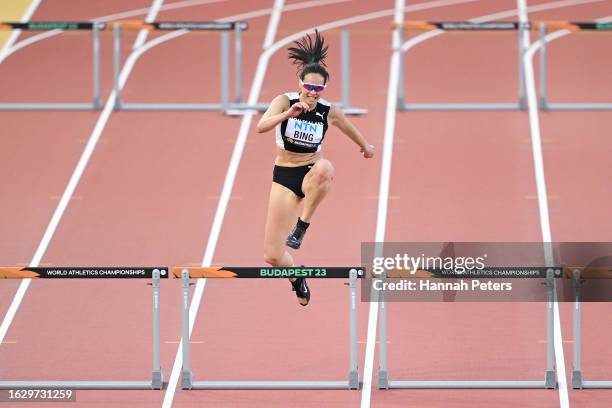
[(301, 131)]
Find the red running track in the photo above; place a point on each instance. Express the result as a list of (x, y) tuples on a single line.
[(150, 191)]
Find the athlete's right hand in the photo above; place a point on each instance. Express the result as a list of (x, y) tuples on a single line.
[(296, 109)]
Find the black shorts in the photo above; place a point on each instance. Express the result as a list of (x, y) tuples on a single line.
[(291, 177)]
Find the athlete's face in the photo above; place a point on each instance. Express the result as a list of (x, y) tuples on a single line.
[(311, 96)]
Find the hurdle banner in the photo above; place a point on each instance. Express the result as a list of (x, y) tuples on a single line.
[(153, 273), (573, 26), (424, 26), (95, 28), (550, 376), (351, 273)]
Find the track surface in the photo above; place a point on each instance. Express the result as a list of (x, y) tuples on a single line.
[(151, 189)]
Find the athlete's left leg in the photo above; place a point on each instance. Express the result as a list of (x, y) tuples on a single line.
[(317, 183)]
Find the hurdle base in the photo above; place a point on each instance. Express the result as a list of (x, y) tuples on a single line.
[(243, 109), (596, 384), (271, 385), (459, 106), (48, 107), (157, 380), (84, 385), (383, 380), (550, 379), (353, 381), (576, 106), (186, 380), (577, 379), (169, 107), (466, 384)]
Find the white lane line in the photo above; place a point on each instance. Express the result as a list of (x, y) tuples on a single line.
[(150, 18), (15, 33), (383, 197), (538, 164), (274, 22), (66, 196), (145, 10), (538, 159)]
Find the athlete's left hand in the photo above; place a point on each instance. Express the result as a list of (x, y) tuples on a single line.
[(368, 151)]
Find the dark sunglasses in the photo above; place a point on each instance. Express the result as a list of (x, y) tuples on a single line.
[(313, 87)]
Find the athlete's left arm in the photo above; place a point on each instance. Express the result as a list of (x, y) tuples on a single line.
[(336, 118)]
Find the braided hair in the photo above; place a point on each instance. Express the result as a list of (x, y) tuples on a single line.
[(309, 56)]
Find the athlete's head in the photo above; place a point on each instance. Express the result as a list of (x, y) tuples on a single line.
[(310, 57)]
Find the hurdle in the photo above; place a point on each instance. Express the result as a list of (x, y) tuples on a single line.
[(352, 273), (155, 274), (550, 377), (345, 85), (543, 29), (95, 28), (577, 275), (425, 26), (237, 106), (225, 28)]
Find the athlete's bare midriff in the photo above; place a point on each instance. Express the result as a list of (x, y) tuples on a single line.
[(291, 159)]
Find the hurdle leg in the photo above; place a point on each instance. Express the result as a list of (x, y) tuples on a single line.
[(186, 375), (157, 381), (576, 372), (383, 378), (543, 79), (550, 380), (353, 368), (117, 70), (96, 67)]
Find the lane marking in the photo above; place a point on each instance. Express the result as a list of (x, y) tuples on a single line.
[(533, 197)]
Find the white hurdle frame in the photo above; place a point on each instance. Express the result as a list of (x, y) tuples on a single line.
[(351, 383)]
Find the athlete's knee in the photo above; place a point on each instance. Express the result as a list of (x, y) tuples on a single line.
[(273, 257), (323, 171)]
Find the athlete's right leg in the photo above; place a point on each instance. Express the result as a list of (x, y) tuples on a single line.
[(282, 209)]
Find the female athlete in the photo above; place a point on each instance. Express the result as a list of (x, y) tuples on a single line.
[(301, 174)]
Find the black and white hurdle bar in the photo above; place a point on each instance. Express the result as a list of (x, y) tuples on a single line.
[(543, 29), (550, 377), (95, 28), (156, 381), (462, 26), (351, 383)]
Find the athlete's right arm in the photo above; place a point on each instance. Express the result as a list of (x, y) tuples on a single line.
[(278, 111)]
